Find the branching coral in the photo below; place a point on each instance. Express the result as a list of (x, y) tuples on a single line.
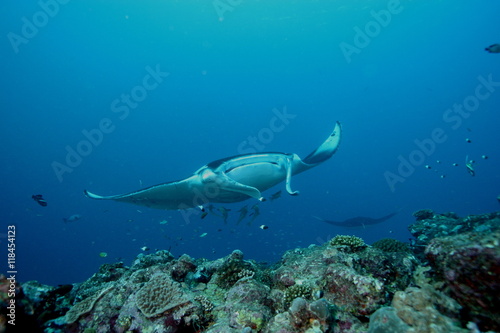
[(348, 243), (295, 291)]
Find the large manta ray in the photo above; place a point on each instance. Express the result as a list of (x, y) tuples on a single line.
[(230, 179), (359, 221)]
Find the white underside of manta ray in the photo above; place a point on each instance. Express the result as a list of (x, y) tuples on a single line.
[(231, 179)]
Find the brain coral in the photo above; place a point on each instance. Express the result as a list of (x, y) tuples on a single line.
[(391, 245), (160, 294)]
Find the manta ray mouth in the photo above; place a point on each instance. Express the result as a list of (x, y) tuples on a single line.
[(250, 164)]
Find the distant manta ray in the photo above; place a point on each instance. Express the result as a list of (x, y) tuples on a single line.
[(358, 221)]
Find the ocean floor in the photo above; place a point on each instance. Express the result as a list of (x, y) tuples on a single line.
[(445, 280)]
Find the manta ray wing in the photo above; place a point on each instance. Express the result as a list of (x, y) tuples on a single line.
[(385, 218), (171, 195)]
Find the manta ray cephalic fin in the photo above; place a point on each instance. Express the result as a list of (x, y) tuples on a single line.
[(224, 182), (289, 176)]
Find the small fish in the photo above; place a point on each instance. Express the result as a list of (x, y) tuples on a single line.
[(103, 254), (264, 227), (494, 48), (72, 218), (145, 248), (455, 164), (243, 213), (468, 140), (164, 222), (203, 215), (212, 210), (484, 157), (275, 196), (317, 294), (38, 198), (254, 214), (468, 165), (225, 213), (428, 166), (470, 169), (203, 235)]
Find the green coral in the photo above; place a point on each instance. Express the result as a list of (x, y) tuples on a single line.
[(254, 320), (349, 243), (297, 290), (123, 323), (391, 245)]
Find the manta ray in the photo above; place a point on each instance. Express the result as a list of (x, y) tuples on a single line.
[(359, 221), (230, 179)]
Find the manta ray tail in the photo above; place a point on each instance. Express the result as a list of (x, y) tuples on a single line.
[(100, 197), (93, 196)]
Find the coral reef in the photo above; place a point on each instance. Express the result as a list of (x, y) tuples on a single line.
[(85, 306), (423, 214), (418, 309), (448, 224), (470, 266), (391, 245), (159, 295), (296, 291), (446, 281), (348, 243), (232, 270)]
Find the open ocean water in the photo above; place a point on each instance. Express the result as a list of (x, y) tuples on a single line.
[(113, 96)]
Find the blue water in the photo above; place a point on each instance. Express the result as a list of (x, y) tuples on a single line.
[(222, 67)]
